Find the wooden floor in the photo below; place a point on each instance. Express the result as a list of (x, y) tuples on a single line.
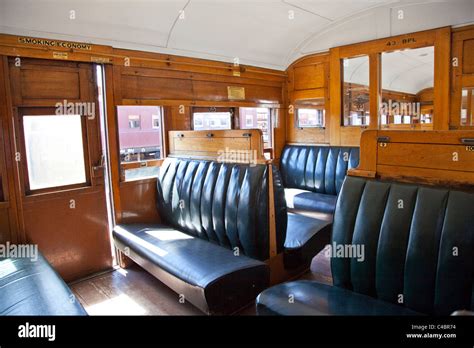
[(133, 291)]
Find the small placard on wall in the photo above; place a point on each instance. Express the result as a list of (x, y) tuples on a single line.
[(60, 55), (235, 93)]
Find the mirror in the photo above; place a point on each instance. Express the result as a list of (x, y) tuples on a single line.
[(355, 91), (407, 88)]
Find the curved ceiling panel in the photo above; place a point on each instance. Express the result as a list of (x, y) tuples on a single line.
[(256, 32), (268, 33)]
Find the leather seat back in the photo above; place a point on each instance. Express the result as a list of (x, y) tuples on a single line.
[(223, 203), (319, 169), (418, 244)]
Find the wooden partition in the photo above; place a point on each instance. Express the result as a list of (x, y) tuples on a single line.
[(444, 158), (308, 80), (243, 146)]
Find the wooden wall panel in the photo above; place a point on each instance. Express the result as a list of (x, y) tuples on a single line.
[(143, 87), (435, 157), (462, 73), (49, 84), (138, 201), (307, 80), (70, 238), (468, 57), (5, 224), (179, 84), (309, 76)]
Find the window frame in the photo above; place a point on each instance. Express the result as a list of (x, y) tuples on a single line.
[(302, 107), (123, 167), (211, 109), (49, 111), (342, 106), (271, 115)]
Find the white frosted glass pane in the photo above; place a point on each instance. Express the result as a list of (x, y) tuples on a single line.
[(54, 151)]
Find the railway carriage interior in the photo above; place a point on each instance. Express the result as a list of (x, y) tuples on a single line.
[(297, 158)]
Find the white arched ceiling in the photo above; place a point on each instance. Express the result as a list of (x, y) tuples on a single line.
[(268, 33)]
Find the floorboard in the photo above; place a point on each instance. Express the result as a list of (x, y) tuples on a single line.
[(133, 291)]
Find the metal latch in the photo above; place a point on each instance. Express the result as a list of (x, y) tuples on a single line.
[(383, 141)]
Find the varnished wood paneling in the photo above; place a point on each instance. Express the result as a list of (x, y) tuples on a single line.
[(431, 157), (462, 73), (6, 232), (213, 144), (69, 225), (75, 241), (468, 57), (138, 201), (140, 87), (350, 136), (10, 229), (307, 80), (310, 76), (47, 84)]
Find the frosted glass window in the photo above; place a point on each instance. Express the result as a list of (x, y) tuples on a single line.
[(54, 151)]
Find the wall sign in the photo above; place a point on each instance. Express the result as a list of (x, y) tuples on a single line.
[(235, 93), (54, 43)]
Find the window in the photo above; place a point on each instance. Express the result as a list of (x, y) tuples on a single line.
[(249, 120), (212, 120), (407, 87), (355, 91), (133, 121), (140, 140), (50, 162), (155, 119), (306, 118), (467, 105), (257, 118)]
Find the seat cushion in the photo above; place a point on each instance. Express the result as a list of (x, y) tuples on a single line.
[(310, 201), (312, 298), (228, 279), (305, 238), (32, 287)]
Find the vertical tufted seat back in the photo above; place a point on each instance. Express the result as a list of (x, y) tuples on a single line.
[(319, 169), (418, 242), (223, 203)]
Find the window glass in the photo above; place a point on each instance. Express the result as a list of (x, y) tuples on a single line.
[(140, 139), (407, 87), (211, 120), (134, 121), (54, 151), (307, 118), (155, 119), (355, 91), (257, 118), (467, 105)]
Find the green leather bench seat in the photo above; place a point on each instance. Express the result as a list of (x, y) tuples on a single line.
[(417, 247), (32, 287), (213, 239), (312, 177)]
